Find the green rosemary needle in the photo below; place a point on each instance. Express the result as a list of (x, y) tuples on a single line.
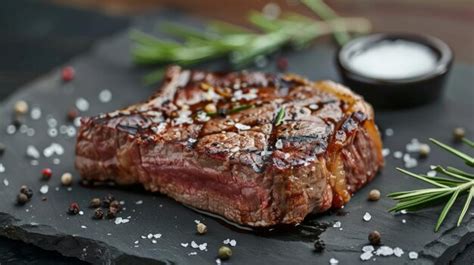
[(447, 189), (239, 45), (280, 116)]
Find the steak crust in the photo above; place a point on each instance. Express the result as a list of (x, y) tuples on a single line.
[(237, 162)]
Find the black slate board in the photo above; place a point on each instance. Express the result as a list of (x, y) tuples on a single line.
[(108, 66)]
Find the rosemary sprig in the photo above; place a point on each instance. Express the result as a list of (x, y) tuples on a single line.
[(280, 116), (450, 188), (239, 45)]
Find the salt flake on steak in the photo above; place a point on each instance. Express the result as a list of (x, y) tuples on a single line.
[(242, 127)]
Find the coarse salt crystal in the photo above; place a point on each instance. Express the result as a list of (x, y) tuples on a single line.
[(404, 221), (218, 262), (333, 261), (157, 236), (192, 253), (413, 255), (203, 246), (81, 213), (398, 252), (153, 241), (313, 106), (52, 122), (143, 237), (389, 132), (398, 154), (32, 152), (82, 104), (226, 241), (337, 224), (35, 113), (2, 168), (366, 255), (44, 189), (139, 202), (83, 226), (136, 242), (403, 211), (385, 152), (279, 144), (105, 96), (411, 163), (368, 248), (241, 126), (194, 244), (384, 251), (233, 243), (11, 129), (431, 173), (6, 182), (184, 245), (367, 217)]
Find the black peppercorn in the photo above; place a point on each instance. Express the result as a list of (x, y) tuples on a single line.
[(319, 245), (17, 121), (374, 238), (73, 208), (27, 191), (2, 149), (22, 198), (95, 203), (112, 213), (115, 204), (107, 200), (222, 112), (98, 214)]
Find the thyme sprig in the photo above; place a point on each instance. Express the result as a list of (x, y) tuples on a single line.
[(241, 45), (447, 189)]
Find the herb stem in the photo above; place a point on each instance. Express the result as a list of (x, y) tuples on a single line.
[(457, 184), (327, 14)]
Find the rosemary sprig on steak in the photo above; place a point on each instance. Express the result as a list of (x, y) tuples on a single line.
[(242, 46), (448, 188)]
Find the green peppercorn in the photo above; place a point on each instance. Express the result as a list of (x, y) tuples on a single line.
[(424, 150), (459, 133), (374, 195), (224, 253), (201, 228), (21, 107), (374, 238)]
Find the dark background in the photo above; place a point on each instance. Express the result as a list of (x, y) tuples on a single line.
[(37, 36)]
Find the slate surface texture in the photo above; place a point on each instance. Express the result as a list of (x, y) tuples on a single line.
[(108, 66)]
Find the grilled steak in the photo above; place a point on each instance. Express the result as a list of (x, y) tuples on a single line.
[(259, 149)]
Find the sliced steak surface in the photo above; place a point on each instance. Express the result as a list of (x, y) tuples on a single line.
[(214, 141)]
